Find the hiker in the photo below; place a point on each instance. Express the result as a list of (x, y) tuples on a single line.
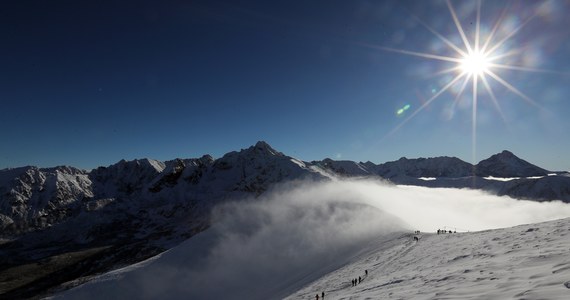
[(317, 297), (359, 279), (416, 238), (353, 282), (366, 272), (438, 231), (323, 295)]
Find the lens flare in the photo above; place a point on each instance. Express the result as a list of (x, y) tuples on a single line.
[(403, 109)]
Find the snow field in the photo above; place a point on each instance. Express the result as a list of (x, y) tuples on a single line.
[(522, 262)]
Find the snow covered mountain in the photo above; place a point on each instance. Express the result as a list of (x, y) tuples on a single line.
[(33, 198), (425, 167), (129, 211), (346, 167), (36, 198), (501, 174)]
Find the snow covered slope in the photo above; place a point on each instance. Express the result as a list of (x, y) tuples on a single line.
[(346, 167), (522, 262), (36, 198)]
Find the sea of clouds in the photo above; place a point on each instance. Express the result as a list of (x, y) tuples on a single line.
[(272, 245)]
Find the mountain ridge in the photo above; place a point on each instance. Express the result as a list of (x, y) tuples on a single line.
[(252, 169), (142, 207)]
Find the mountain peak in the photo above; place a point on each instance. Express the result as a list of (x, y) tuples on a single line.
[(264, 147), (506, 164), (506, 153)]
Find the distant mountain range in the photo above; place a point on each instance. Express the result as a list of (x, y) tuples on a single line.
[(129, 211)]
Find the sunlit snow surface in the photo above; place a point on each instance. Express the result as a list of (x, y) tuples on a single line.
[(316, 236), (523, 262)]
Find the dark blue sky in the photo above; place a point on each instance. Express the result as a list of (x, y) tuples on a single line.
[(88, 84)]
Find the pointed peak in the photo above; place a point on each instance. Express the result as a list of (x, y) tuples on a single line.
[(506, 153), (207, 158), (503, 156), (262, 144), (137, 163), (506, 164), (264, 147)]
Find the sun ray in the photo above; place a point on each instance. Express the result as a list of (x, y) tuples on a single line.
[(459, 27), (511, 34), (528, 69), (495, 28), (513, 89), (478, 25), (494, 99), (448, 70), (461, 90), (509, 53), (418, 54), (474, 124), (441, 37)]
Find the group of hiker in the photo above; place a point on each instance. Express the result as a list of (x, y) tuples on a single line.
[(358, 280), (417, 235), (442, 231), (322, 296)]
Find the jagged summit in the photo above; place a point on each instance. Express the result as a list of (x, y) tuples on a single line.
[(506, 153), (442, 166), (264, 147), (140, 163)]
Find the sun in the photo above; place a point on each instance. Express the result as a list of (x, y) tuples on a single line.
[(475, 63)]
